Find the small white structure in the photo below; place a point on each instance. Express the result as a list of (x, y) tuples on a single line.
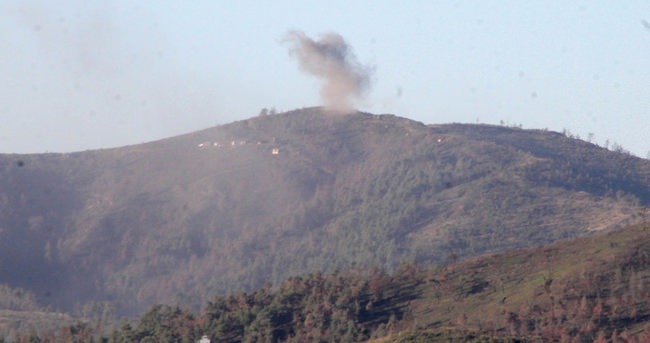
[(204, 339), (275, 151)]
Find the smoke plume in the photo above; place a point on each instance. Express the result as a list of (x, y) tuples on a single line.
[(331, 59)]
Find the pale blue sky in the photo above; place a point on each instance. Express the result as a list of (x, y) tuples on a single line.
[(82, 74)]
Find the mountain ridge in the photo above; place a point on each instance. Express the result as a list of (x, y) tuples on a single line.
[(259, 200)]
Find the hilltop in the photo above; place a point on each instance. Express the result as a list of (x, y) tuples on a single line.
[(235, 206)]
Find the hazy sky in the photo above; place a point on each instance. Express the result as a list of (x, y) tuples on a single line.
[(83, 74)]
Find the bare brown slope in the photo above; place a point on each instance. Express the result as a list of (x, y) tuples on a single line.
[(214, 211), (578, 289)]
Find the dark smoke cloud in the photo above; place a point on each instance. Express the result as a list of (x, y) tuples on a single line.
[(331, 59)]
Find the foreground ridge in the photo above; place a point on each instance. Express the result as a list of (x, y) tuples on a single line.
[(587, 289)]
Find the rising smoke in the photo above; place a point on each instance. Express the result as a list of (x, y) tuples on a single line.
[(331, 59)]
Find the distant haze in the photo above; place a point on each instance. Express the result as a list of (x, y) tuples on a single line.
[(331, 59)]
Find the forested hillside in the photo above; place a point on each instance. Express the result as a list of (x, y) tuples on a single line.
[(257, 201), (581, 290)]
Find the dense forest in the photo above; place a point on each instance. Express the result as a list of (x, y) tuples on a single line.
[(594, 289)]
